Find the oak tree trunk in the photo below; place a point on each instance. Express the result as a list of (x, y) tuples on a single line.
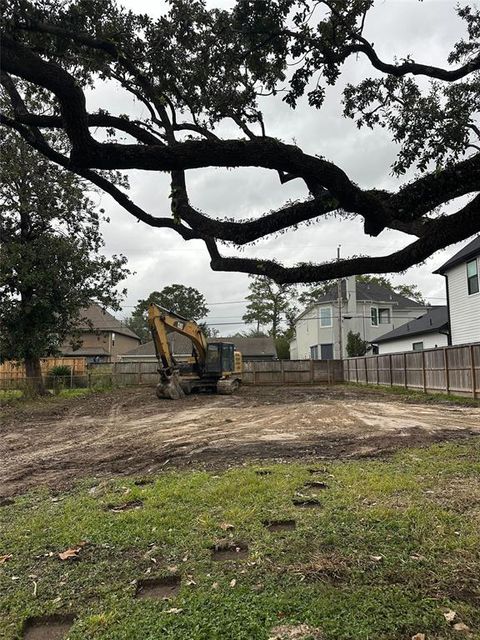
[(34, 383)]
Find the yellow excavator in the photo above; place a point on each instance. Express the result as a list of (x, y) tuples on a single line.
[(214, 366)]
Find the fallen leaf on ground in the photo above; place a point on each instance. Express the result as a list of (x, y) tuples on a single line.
[(462, 628), (449, 615), (69, 553), (174, 610), (126, 506), (215, 585), (5, 558), (376, 558), (418, 636), (295, 632), (226, 526), (233, 582)]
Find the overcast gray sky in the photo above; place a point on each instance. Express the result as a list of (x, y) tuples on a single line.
[(426, 30)]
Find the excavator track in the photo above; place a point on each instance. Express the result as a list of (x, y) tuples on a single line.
[(227, 387)]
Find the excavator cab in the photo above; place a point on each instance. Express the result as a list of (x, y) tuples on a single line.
[(213, 366), (220, 358)]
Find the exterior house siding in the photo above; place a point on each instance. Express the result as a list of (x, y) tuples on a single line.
[(464, 308), (430, 341)]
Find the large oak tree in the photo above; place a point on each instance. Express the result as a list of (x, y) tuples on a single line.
[(195, 68), (51, 263)]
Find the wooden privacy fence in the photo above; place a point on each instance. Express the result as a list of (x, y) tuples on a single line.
[(255, 372), (293, 372), (11, 370), (123, 373), (453, 369)]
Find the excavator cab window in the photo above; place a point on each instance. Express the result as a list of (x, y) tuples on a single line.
[(220, 357), (227, 357), (213, 363)]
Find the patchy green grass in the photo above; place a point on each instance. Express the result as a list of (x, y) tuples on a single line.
[(394, 544), (415, 395), (11, 396)]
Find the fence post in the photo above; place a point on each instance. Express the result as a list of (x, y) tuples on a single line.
[(356, 370), (254, 370), (366, 370), (282, 366), (405, 370), (378, 374), (390, 366), (140, 373), (328, 373), (311, 371), (424, 373), (447, 374), (472, 364)]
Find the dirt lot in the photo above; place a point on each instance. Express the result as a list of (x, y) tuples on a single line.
[(131, 431)]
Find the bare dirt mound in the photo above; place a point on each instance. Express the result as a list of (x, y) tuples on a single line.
[(130, 431)]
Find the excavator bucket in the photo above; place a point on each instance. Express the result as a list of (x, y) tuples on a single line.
[(170, 388)]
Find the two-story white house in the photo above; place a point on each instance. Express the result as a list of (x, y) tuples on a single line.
[(368, 309), (462, 276)]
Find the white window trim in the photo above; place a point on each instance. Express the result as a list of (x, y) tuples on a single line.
[(374, 324), (325, 326)]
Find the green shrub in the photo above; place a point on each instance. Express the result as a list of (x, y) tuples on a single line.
[(58, 377)]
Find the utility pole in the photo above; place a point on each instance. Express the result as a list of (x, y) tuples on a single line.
[(339, 300)]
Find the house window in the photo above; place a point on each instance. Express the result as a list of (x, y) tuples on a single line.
[(314, 352), (472, 277), (379, 316), (325, 316), (384, 316), (326, 351), (417, 346)]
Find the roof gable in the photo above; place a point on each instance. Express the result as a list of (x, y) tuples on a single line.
[(471, 250), (94, 318), (367, 292)]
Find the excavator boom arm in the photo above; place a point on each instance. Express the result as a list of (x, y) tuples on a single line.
[(162, 322)]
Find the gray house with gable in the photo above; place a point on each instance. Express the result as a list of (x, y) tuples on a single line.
[(367, 308)]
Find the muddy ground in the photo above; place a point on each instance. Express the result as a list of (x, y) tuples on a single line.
[(132, 432)]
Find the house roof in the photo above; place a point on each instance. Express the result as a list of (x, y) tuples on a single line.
[(85, 352), (367, 292), (262, 346), (370, 292), (254, 346), (94, 318), (435, 320), (469, 251)]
